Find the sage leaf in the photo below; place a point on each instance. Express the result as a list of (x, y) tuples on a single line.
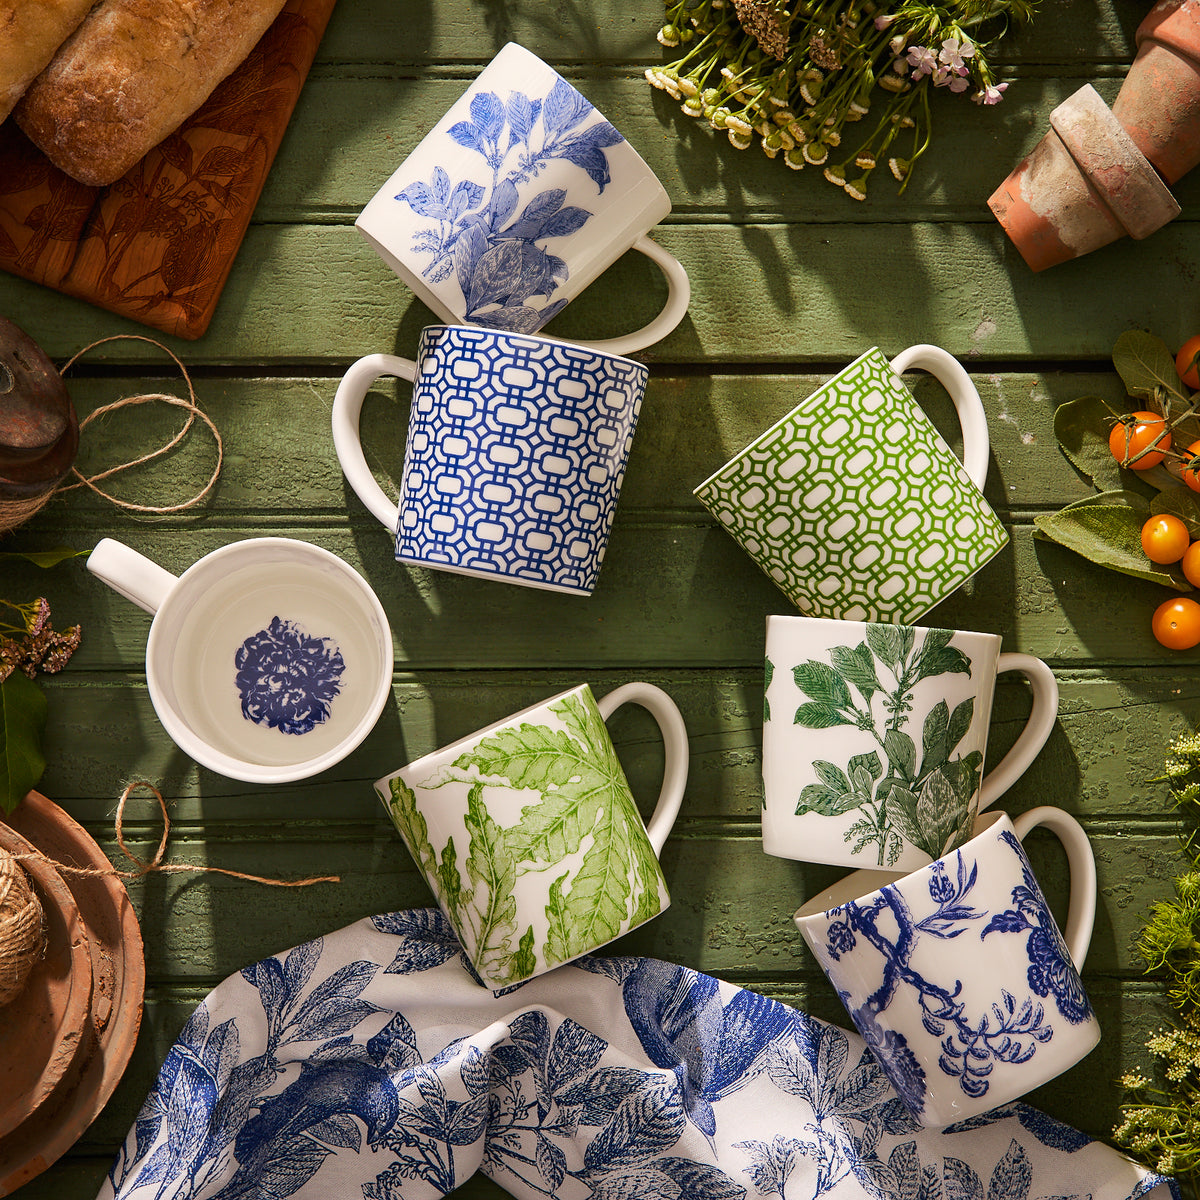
[(1179, 502), (22, 723), (1107, 530), (1082, 427), (1145, 364)]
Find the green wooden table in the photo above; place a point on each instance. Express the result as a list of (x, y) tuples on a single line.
[(790, 281)]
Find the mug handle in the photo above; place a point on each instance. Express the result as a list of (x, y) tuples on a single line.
[(132, 574), (1081, 862), (347, 408), (954, 378), (675, 744), (1037, 729), (679, 293)]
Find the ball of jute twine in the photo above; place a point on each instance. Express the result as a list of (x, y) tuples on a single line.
[(156, 864), (17, 512), (22, 928)]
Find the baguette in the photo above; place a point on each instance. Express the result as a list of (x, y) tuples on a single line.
[(131, 74), (30, 32)]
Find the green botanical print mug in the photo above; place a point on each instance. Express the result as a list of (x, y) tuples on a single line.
[(874, 738), (529, 836), (854, 505)]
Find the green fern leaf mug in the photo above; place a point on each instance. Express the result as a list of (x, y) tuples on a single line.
[(529, 836), (852, 502)]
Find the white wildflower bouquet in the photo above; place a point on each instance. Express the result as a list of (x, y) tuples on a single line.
[(795, 74)]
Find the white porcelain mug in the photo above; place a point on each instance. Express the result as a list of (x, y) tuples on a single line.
[(268, 660), (874, 738), (516, 200), (529, 836), (957, 975)]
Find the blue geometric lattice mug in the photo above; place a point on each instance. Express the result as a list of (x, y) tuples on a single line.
[(852, 502), (515, 201), (514, 459), (957, 975)]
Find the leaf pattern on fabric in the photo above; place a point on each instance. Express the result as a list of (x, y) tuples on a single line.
[(443, 1078)]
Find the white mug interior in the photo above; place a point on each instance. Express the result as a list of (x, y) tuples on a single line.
[(192, 686)]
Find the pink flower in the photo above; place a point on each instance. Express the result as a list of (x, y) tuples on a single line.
[(992, 94), (953, 52), (922, 60)]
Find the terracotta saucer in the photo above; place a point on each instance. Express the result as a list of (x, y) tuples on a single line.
[(42, 1029), (120, 973)]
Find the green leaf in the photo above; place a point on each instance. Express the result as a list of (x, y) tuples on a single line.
[(901, 810), (832, 777), (941, 814), (820, 716), (960, 722), (933, 737), (822, 684), (1107, 529), (949, 660), (863, 770), (490, 864), (1145, 364), (857, 667), (884, 641), (827, 802), (768, 675), (1082, 427), (525, 959), (1180, 502), (22, 723), (45, 558), (901, 752)]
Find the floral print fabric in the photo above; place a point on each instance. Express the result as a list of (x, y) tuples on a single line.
[(370, 1063)]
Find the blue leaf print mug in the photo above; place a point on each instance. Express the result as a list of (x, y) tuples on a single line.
[(268, 660), (957, 975), (515, 454), (515, 201)]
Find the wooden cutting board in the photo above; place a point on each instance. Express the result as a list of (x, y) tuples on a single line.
[(158, 245)]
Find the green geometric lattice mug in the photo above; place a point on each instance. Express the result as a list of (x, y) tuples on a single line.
[(854, 505), (529, 836)]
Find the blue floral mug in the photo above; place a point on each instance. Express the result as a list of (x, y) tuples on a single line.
[(957, 975), (515, 454), (515, 201), (268, 660)]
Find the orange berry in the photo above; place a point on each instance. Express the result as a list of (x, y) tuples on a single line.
[(1176, 624)]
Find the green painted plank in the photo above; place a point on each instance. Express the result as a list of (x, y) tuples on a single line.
[(763, 294), (372, 31), (1100, 762), (670, 594), (732, 910), (361, 128), (689, 426)]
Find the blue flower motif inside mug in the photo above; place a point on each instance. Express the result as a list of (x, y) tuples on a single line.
[(286, 678), (515, 454), (956, 975), (517, 200)]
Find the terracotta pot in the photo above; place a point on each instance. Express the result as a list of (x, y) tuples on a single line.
[(1084, 185), (1159, 102)]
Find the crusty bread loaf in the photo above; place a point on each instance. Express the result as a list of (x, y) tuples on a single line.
[(131, 74), (30, 32)]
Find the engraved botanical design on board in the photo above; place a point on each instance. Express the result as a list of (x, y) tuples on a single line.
[(490, 233), (580, 824), (926, 796)]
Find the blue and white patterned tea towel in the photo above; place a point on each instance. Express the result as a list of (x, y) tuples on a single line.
[(369, 1063)]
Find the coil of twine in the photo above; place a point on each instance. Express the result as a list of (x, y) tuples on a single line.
[(22, 927), (16, 511)]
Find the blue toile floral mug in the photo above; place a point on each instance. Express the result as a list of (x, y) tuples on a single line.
[(268, 660), (515, 201), (957, 975)]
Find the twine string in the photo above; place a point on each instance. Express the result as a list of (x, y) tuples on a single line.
[(14, 512), (22, 936), (156, 864)]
